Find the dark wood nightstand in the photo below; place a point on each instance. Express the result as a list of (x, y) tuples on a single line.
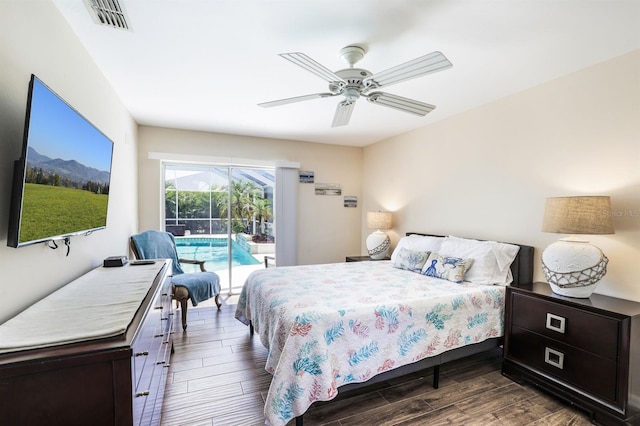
[(586, 351), (362, 259)]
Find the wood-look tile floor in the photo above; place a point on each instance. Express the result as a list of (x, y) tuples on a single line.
[(217, 377)]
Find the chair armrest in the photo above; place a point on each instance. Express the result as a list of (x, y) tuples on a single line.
[(269, 261), (194, 262)]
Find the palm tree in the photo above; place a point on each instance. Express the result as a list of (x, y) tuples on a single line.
[(243, 197), (262, 212)]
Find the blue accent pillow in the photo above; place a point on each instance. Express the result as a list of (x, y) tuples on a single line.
[(410, 260), (446, 267)]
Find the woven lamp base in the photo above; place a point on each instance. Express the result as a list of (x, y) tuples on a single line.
[(378, 244), (573, 268)]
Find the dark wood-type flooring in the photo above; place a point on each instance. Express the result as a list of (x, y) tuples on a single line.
[(217, 377)]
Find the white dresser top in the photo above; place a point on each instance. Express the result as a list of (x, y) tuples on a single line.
[(99, 304)]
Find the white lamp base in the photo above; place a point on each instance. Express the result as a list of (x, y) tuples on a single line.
[(573, 268), (378, 244)]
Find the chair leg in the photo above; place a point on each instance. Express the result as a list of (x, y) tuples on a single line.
[(181, 296), (183, 309), (218, 301)]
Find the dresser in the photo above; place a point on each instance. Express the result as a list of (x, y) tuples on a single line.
[(73, 379), (586, 351)]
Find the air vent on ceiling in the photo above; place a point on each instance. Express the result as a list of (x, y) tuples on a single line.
[(108, 12)]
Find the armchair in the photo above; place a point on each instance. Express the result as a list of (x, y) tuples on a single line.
[(196, 286)]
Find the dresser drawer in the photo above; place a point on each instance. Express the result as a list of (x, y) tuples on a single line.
[(592, 373), (584, 330), (142, 355)]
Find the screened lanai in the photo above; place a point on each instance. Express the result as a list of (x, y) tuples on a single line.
[(222, 215)]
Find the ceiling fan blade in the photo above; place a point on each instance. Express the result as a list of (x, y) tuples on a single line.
[(309, 64), (295, 99), (343, 113), (427, 64), (398, 102)]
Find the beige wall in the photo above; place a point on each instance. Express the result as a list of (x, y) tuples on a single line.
[(36, 39), (327, 231), (486, 173)]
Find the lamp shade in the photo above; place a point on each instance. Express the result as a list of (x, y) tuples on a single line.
[(578, 215), (378, 220)]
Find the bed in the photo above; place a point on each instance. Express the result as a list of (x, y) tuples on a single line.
[(345, 325)]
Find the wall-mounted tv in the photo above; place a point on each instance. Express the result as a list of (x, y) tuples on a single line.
[(61, 181)]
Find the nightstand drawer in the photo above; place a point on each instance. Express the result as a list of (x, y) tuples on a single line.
[(584, 330), (585, 370)]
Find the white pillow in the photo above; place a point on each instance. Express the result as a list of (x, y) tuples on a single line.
[(491, 260), (417, 243)]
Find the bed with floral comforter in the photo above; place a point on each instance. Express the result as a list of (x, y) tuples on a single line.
[(330, 325)]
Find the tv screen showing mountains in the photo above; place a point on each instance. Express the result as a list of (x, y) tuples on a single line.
[(61, 197), (67, 173)]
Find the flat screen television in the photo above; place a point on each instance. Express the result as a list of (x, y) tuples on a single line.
[(61, 181)]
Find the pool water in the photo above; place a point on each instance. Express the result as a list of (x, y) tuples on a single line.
[(214, 252)]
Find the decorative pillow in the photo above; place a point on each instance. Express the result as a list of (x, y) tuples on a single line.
[(410, 260), (446, 267), (491, 260), (417, 243)]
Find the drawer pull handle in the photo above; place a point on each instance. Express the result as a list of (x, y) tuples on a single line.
[(554, 358), (556, 323), (145, 353), (145, 393)]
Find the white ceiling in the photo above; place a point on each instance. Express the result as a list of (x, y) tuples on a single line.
[(206, 64)]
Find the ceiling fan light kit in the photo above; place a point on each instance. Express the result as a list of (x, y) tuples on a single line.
[(353, 83)]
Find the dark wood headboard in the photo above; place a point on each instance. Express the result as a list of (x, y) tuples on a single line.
[(521, 268)]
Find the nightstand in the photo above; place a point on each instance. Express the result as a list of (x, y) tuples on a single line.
[(362, 259), (586, 351)]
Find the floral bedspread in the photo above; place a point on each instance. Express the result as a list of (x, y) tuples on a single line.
[(329, 325)]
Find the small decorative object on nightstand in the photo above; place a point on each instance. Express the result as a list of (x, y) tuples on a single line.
[(378, 242), (583, 350), (571, 265)]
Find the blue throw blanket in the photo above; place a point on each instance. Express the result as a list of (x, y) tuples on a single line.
[(162, 245), (158, 245), (201, 285)]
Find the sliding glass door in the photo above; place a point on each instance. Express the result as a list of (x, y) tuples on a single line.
[(222, 215)]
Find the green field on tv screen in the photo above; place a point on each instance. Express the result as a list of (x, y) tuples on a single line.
[(52, 210)]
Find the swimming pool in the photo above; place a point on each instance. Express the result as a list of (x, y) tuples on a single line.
[(214, 252)]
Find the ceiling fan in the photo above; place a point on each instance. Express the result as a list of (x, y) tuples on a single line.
[(353, 83)]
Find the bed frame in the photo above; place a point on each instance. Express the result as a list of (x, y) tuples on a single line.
[(522, 271)]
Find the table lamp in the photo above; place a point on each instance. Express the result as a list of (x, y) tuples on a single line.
[(572, 266), (378, 242)]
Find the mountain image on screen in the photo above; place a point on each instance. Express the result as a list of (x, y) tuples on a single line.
[(69, 169)]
